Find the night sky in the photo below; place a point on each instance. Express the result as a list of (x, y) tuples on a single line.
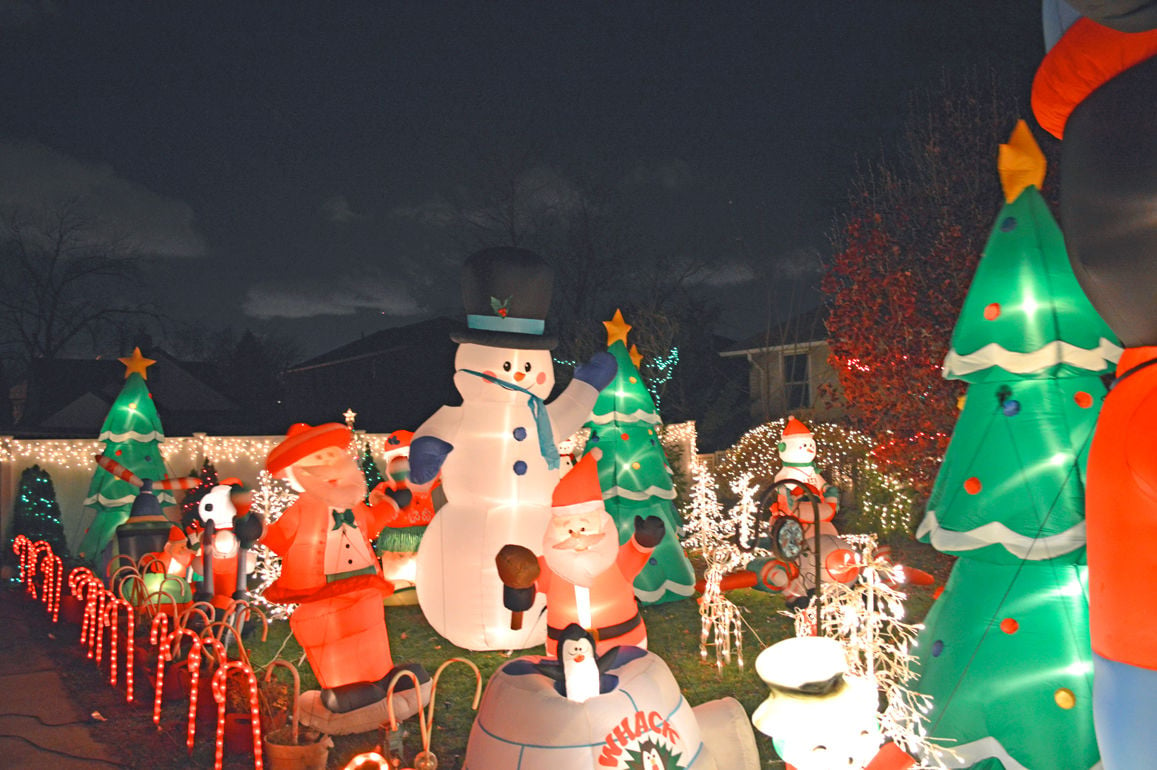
[(289, 166)]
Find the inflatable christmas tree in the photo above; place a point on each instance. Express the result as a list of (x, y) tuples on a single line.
[(633, 471), (132, 436), (1005, 651)]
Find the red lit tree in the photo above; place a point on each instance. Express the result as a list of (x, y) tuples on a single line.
[(892, 313), (902, 259)]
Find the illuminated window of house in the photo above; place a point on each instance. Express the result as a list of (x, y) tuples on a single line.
[(795, 380)]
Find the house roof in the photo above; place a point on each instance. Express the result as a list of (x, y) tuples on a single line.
[(433, 331), (802, 328), (72, 396), (394, 378)]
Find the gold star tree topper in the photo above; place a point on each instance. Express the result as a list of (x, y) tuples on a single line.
[(617, 329), (1020, 162), (636, 356), (136, 364)]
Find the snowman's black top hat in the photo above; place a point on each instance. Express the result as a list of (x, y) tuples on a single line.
[(506, 293)]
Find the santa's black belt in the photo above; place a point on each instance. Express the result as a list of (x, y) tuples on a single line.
[(606, 632)]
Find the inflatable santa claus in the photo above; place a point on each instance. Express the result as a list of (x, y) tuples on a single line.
[(585, 574)]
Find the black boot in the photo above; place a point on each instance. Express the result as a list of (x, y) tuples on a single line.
[(352, 696), (406, 683)]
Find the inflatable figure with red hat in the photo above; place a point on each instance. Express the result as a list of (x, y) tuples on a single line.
[(586, 575), (1097, 91), (329, 569)]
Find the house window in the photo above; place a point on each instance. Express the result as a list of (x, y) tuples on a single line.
[(795, 381)]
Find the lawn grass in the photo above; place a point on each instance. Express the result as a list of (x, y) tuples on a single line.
[(673, 631)]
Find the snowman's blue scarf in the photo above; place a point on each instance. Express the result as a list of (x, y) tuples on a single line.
[(538, 411)]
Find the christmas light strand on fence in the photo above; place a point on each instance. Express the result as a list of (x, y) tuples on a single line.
[(78, 453)]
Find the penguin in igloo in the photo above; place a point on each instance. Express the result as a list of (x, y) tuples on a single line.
[(498, 451)]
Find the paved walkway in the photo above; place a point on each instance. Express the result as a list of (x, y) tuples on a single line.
[(40, 724)]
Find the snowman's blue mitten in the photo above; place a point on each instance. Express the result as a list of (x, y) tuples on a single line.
[(598, 371), (427, 453)]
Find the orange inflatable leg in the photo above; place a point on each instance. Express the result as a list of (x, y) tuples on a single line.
[(344, 638)]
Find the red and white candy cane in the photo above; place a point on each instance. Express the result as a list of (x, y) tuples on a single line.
[(53, 569), (220, 685), (106, 597), (124, 474), (22, 547), (93, 593), (158, 632), (193, 664), (113, 606)]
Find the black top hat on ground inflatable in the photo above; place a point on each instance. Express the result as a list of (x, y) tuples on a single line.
[(506, 293)]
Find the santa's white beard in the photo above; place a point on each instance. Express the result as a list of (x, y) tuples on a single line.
[(582, 567)]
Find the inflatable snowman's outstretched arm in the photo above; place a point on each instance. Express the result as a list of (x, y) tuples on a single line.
[(432, 441), (570, 410)]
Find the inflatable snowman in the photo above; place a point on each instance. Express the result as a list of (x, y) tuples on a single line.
[(819, 716), (498, 451), (797, 485)]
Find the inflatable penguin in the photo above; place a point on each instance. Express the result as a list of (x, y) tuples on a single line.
[(579, 671)]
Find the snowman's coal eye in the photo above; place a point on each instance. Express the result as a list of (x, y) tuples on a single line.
[(208, 507), (527, 366), (506, 366)]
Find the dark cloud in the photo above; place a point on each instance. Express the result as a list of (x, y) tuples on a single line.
[(36, 178), (337, 210), (19, 13), (344, 297)]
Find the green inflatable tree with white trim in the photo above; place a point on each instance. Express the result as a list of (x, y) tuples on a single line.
[(1005, 651), (633, 470), (132, 436)]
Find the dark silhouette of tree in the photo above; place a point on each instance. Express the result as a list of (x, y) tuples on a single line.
[(61, 282)]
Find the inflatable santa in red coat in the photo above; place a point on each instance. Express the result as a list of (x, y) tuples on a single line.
[(586, 575)]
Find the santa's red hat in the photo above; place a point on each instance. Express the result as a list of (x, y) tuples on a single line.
[(579, 490), (795, 429), (302, 440)]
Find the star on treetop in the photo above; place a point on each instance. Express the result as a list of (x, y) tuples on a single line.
[(617, 329), (136, 364), (636, 356)]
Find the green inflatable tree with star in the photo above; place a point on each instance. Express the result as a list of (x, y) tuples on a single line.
[(1005, 651), (633, 470), (132, 436)]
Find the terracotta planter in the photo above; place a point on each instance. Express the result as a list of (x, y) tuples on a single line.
[(146, 665), (238, 734), (206, 706), (310, 753), (71, 609)]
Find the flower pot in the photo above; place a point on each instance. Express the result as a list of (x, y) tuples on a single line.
[(71, 609), (310, 753), (146, 665), (238, 734), (206, 706)]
